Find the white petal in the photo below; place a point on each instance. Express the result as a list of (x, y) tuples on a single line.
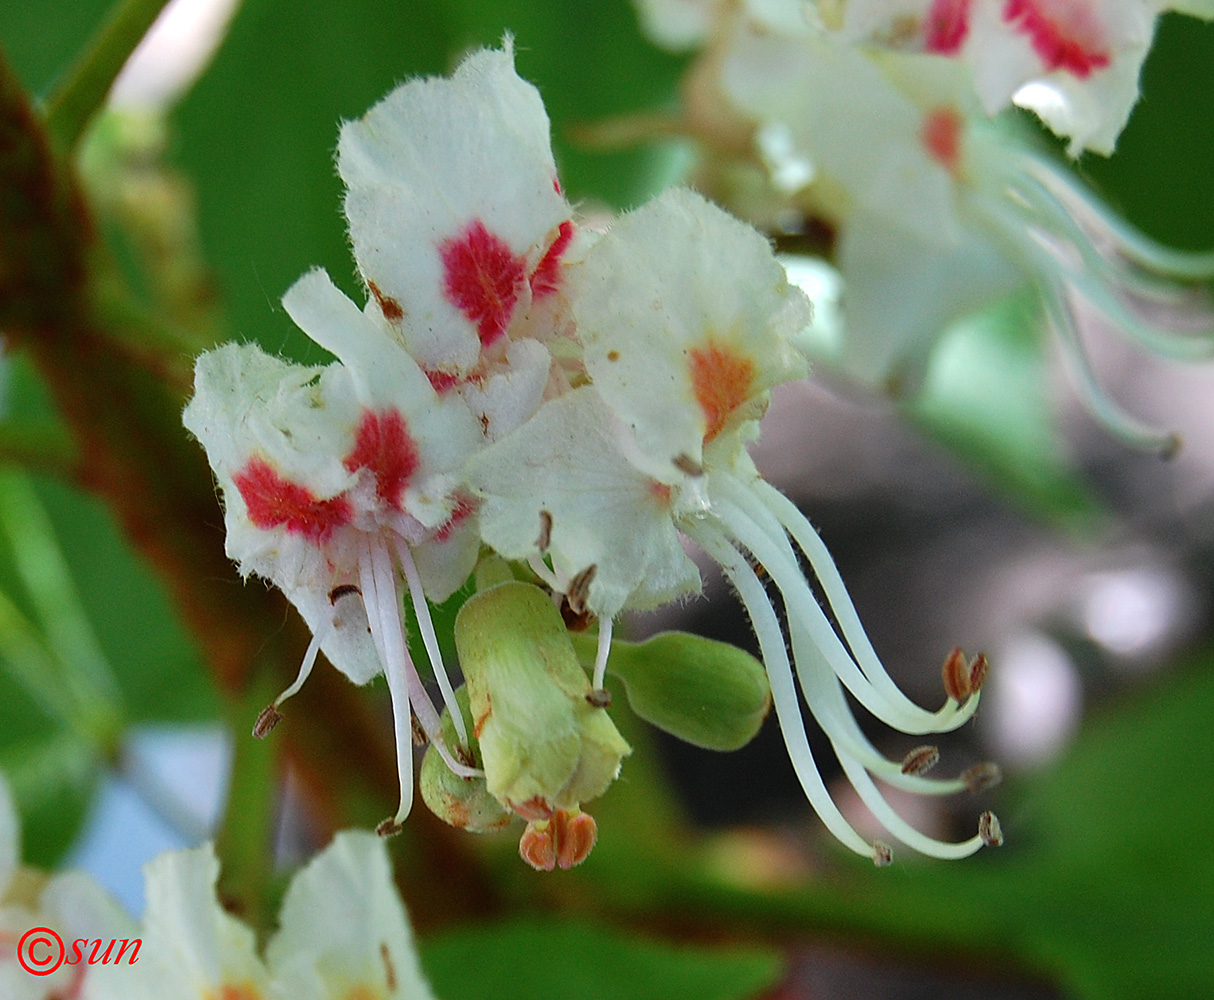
[(342, 926), (901, 292), (669, 285), (446, 560), (508, 397), (566, 460), (430, 159)]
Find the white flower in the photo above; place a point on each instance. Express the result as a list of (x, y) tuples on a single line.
[(340, 480), (687, 322), (343, 933), (70, 904), (1075, 63), (939, 211)]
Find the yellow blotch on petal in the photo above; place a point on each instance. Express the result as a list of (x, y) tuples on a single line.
[(722, 380), (363, 992)]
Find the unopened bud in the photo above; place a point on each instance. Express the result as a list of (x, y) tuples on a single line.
[(883, 854), (921, 760), (266, 721), (956, 675), (989, 830), (982, 776), (978, 669)]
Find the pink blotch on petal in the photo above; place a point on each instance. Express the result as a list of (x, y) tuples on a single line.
[(464, 508), (941, 136), (946, 26), (383, 445), (547, 276), (273, 502), (1065, 34), (442, 381), (482, 279)]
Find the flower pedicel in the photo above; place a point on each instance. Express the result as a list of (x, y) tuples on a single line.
[(579, 403)]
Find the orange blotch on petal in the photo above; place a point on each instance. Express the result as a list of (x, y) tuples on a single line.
[(941, 137), (236, 991), (722, 380)]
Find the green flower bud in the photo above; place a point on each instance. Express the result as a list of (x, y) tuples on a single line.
[(707, 693), (462, 802), (544, 746)]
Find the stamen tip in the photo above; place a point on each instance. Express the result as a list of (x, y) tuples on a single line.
[(956, 675), (1170, 447), (599, 697), (920, 760), (989, 830), (389, 827), (979, 667), (982, 776), (269, 718), (883, 854)]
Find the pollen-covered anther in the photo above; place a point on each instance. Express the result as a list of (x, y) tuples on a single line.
[(416, 732), (269, 718), (575, 621), (337, 593), (687, 465), (921, 760), (979, 667), (537, 846), (989, 830), (982, 776), (564, 841), (389, 827), (579, 589), (883, 854), (545, 536), (599, 697), (956, 673)]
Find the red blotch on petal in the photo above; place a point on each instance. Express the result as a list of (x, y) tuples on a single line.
[(273, 501), (1065, 34), (547, 276), (383, 445), (722, 380), (442, 381), (946, 26), (941, 136), (482, 279), (464, 508)]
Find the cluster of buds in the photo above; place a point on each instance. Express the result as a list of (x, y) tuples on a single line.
[(873, 127), (560, 410)]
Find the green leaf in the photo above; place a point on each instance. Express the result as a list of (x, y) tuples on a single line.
[(985, 397), (563, 958), (707, 693)]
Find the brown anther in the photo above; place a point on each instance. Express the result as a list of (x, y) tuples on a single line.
[(464, 755), (956, 675), (545, 536), (576, 834), (989, 829), (416, 731), (579, 589), (389, 827), (269, 718), (389, 968), (537, 846), (687, 465), (575, 621), (982, 776), (599, 697), (978, 670), (883, 854), (921, 760), (339, 592)]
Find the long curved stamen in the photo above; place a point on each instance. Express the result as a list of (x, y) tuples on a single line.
[(790, 519), (546, 575), (779, 673), (1135, 245), (601, 654), (429, 639), (1128, 429), (777, 557), (309, 661), (379, 597), (1093, 279)]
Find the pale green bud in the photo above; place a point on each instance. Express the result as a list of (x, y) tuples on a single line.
[(543, 744), (462, 802), (707, 693)]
